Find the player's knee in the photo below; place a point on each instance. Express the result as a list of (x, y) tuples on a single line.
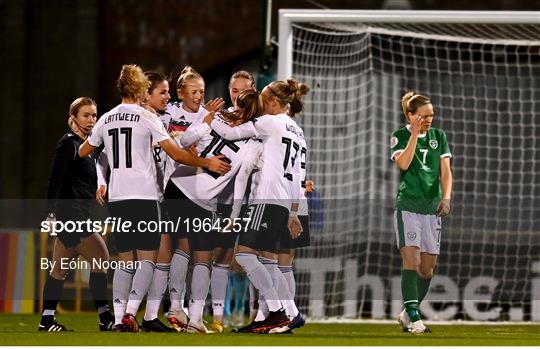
[(425, 273), (247, 261), (412, 263)]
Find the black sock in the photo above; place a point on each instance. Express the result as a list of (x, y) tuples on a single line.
[(98, 288), (51, 296)]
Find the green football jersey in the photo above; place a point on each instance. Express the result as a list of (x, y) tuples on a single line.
[(419, 187)]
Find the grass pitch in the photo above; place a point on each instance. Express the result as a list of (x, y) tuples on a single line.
[(22, 330)]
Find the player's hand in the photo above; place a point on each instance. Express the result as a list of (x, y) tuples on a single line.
[(209, 118), (295, 227), (443, 209), (101, 193), (416, 124), (310, 187), (216, 164), (214, 105), (176, 134)]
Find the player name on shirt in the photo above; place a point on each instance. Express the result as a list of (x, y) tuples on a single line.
[(122, 117), (295, 130)]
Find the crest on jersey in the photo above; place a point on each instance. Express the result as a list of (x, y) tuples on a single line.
[(411, 235), (393, 142), (433, 144)]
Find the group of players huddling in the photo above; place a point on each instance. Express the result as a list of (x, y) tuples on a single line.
[(241, 170)]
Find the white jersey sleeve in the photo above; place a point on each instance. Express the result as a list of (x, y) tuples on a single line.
[(193, 134), (303, 205), (246, 130), (96, 137), (102, 166), (156, 128)]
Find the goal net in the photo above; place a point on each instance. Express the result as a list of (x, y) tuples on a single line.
[(484, 81)]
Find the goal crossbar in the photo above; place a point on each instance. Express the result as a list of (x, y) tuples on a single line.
[(289, 16)]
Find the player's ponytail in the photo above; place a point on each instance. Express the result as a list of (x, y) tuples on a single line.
[(299, 91), (188, 73), (411, 101), (289, 93), (132, 83)]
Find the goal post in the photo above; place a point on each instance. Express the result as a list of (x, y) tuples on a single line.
[(481, 70), (289, 16)]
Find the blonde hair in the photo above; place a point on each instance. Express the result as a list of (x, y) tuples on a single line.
[(132, 83), (188, 73), (411, 101), (76, 105), (289, 92)]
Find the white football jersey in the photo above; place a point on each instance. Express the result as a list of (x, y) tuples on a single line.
[(176, 119), (203, 187), (303, 204), (280, 168), (128, 132)]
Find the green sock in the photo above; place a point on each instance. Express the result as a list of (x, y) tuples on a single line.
[(409, 291), (423, 288)]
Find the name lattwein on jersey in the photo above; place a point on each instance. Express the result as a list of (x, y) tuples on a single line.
[(95, 263), (122, 117)]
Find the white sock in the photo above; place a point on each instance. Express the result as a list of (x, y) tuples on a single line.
[(253, 300), (218, 286), (272, 266), (177, 279), (200, 282), (121, 285), (140, 286), (285, 297), (156, 291), (287, 271), (260, 278), (262, 312)]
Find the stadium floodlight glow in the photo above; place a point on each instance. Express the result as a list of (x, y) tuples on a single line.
[(481, 71)]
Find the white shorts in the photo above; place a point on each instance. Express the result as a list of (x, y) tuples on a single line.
[(420, 230)]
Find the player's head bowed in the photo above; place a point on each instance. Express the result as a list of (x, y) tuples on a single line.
[(284, 96), (249, 105)]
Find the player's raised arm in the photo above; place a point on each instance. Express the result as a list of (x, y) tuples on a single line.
[(214, 164)]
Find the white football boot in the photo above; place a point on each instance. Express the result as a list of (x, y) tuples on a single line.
[(404, 321)]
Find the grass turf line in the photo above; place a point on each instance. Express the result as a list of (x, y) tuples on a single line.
[(22, 330)]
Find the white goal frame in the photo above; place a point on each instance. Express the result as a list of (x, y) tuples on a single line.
[(289, 16)]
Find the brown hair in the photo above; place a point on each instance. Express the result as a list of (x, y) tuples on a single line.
[(411, 101), (154, 78), (188, 73), (243, 74), (76, 105), (252, 106), (290, 92), (132, 83)]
